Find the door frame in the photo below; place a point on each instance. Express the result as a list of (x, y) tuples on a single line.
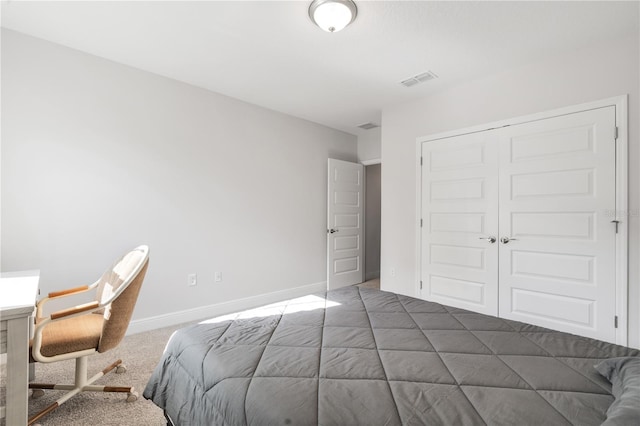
[(622, 175), (371, 162)]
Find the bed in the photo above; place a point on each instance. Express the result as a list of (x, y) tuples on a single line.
[(357, 356)]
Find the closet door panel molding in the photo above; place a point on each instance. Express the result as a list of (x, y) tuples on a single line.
[(549, 187), (460, 210), (557, 178)]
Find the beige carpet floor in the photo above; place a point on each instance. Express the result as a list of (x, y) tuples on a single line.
[(140, 353)]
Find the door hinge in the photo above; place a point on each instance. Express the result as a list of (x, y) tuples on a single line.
[(421, 161), (420, 285), (615, 321), (420, 223), (615, 133), (616, 222)]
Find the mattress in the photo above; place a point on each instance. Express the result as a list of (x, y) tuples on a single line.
[(357, 356)]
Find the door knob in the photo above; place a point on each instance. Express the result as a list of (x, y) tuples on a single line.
[(490, 239), (333, 231), (505, 240)]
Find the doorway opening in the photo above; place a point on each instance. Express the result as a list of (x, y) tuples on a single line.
[(373, 174)]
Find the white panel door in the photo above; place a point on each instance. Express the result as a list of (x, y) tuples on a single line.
[(557, 244), (345, 224), (460, 222)]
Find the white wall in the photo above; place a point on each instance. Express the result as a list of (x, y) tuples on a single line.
[(370, 144), (98, 157), (601, 71)]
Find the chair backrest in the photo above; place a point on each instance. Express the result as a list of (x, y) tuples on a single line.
[(118, 289)]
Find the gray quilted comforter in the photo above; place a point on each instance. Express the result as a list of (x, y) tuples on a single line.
[(367, 357)]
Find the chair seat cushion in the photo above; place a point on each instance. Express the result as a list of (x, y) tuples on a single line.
[(71, 335)]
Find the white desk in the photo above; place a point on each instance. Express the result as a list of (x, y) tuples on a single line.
[(18, 292)]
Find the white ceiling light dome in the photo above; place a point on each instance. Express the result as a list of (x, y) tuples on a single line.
[(332, 15)]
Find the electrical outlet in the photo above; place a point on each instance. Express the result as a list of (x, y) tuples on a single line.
[(192, 279), (393, 272), (217, 277)]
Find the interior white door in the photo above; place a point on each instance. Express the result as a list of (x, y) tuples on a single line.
[(345, 224), (557, 181), (460, 222)]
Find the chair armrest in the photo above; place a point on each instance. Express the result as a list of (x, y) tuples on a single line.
[(75, 310), (62, 293), (68, 292)]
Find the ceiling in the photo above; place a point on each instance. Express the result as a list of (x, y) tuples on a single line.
[(270, 54)]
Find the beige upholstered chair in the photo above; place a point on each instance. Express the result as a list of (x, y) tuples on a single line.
[(83, 330)]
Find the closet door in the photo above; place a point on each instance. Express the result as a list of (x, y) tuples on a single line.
[(557, 249), (460, 222)]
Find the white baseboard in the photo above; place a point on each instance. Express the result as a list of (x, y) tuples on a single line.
[(210, 311), (371, 275)]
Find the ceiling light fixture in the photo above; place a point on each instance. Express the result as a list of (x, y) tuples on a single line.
[(332, 15)]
